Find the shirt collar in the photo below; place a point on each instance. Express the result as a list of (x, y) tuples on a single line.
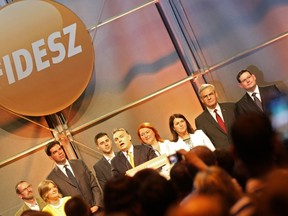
[(256, 91), (211, 111)]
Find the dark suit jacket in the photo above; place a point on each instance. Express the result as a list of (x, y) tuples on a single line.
[(210, 127), (142, 154), (247, 105), (103, 171), (89, 189), (24, 207)]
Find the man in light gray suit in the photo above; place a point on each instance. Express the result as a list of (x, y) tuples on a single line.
[(85, 184), (207, 120), (103, 166)]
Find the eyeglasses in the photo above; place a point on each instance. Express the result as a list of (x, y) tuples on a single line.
[(246, 79), (26, 188), (212, 94)]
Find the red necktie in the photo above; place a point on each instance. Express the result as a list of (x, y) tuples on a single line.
[(220, 121)]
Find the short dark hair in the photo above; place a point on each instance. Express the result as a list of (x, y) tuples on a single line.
[(240, 73), (98, 136), (51, 145)]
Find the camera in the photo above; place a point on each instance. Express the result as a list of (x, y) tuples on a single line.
[(174, 158)]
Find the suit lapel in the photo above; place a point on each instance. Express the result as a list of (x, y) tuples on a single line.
[(124, 162), (136, 155), (250, 103), (211, 119), (74, 168)]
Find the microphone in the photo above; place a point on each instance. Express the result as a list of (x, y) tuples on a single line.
[(155, 150)]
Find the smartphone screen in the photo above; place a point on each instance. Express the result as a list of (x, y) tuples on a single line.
[(174, 158), (278, 112)]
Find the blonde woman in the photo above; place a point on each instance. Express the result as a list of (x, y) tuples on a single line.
[(48, 191)]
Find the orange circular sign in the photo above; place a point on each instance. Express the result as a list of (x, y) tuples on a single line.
[(46, 57)]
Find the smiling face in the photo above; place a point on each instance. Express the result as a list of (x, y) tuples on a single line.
[(147, 136), (26, 191), (122, 140), (52, 193)]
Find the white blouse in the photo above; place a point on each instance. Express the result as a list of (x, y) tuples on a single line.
[(198, 138)]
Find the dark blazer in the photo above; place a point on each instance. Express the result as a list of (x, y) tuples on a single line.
[(210, 127), (24, 207), (142, 154), (103, 171), (89, 189), (247, 105)]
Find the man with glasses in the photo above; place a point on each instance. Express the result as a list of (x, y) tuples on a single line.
[(24, 191), (130, 155), (217, 118), (256, 97)]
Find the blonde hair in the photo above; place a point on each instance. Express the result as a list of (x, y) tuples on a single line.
[(43, 189), (215, 179)]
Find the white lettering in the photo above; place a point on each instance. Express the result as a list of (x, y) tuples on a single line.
[(23, 59), (9, 70), (56, 47), (38, 54), (22, 54), (72, 50)]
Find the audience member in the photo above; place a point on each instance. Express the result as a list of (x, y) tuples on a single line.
[(103, 166), (184, 136), (182, 177), (202, 205), (48, 191), (76, 206), (130, 155), (214, 180), (256, 97), (155, 193), (80, 182), (148, 135), (274, 198), (31, 212), (205, 154), (225, 160), (24, 190), (257, 148), (217, 118), (255, 144), (121, 197)]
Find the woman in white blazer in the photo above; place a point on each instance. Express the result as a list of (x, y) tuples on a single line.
[(184, 136)]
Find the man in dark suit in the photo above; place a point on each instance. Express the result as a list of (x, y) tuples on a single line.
[(103, 166), (24, 191), (254, 93), (85, 185), (207, 120), (130, 155)]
